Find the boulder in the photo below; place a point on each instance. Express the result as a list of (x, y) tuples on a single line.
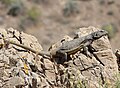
[(20, 67)]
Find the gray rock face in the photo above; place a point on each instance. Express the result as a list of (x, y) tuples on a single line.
[(15, 81), (105, 54), (20, 68), (17, 65), (93, 73)]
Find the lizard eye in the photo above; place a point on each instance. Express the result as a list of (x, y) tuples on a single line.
[(102, 30), (96, 35)]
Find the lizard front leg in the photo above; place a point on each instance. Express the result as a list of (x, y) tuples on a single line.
[(86, 52), (92, 50)]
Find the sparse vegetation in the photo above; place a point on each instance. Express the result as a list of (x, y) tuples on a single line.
[(9, 2), (31, 18), (14, 7), (117, 83), (111, 30), (33, 14), (80, 84), (70, 8), (41, 1)]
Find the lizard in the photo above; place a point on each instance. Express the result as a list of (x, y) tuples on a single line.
[(78, 44), (69, 47)]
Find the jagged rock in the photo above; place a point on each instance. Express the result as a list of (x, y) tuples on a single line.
[(94, 72), (105, 54), (22, 68), (15, 81)]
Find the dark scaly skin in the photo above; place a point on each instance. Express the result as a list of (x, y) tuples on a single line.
[(75, 45)]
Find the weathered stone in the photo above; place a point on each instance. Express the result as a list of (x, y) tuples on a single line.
[(20, 63), (48, 64), (1, 72), (14, 71), (1, 83), (15, 81), (18, 58), (104, 54), (22, 68), (91, 68)]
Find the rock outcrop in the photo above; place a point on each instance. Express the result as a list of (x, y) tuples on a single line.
[(21, 68)]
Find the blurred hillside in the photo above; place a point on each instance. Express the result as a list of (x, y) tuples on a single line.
[(50, 20)]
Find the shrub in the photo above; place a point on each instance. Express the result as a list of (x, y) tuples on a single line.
[(33, 14), (117, 82), (41, 1), (16, 8), (8, 2), (111, 29), (70, 8), (31, 18)]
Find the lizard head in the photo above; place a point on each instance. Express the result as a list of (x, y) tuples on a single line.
[(99, 34)]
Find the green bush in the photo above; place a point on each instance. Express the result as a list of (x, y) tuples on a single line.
[(41, 1), (8, 2), (111, 29), (71, 7), (33, 14), (117, 83), (30, 18)]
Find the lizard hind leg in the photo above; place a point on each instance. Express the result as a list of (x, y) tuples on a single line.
[(62, 57)]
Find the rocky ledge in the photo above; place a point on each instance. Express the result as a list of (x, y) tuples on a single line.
[(21, 68)]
